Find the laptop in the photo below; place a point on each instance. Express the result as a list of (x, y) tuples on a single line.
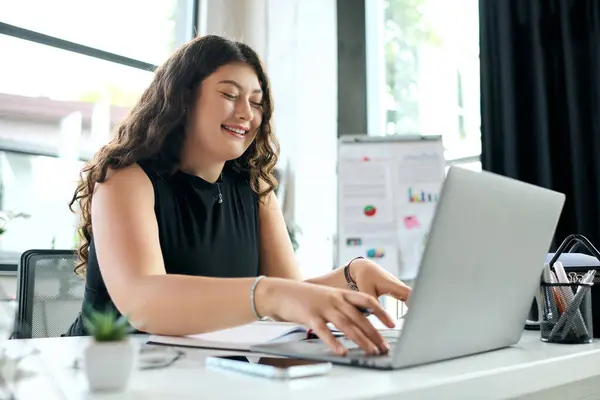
[(478, 274)]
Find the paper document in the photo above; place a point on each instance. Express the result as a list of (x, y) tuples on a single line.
[(237, 338), (241, 338), (366, 197), (361, 179), (388, 191)]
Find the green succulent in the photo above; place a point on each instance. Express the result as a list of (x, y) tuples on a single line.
[(106, 326)]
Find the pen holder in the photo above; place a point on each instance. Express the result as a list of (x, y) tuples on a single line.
[(566, 313)]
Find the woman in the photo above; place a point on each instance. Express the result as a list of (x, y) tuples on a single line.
[(181, 229)]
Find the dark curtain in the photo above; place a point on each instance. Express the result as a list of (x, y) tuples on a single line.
[(540, 108)]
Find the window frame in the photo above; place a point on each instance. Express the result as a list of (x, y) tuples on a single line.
[(184, 32)]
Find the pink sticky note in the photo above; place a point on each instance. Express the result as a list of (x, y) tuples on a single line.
[(411, 222)]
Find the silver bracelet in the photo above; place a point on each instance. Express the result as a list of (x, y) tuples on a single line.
[(252, 290)]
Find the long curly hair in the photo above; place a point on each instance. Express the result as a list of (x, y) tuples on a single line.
[(154, 129)]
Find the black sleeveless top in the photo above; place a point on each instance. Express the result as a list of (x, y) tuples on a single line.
[(198, 234)]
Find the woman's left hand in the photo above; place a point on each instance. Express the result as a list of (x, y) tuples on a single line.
[(374, 280)]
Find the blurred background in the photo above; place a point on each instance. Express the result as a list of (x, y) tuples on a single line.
[(71, 69)]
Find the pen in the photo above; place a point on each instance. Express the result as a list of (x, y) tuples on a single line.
[(572, 314), (546, 273), (568, 297), (558, 299), (364, 311), (587, 278), (563, 278), (547, 292), (578, 321), (563, 322)]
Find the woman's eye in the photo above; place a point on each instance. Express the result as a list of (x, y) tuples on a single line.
[(230, 96), (256, 104)]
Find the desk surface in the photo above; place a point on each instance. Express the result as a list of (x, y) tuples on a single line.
[(530, 366)]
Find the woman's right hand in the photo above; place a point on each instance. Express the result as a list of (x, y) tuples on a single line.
[(315, 305)]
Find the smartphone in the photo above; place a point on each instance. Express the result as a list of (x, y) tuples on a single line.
[(271, 367)]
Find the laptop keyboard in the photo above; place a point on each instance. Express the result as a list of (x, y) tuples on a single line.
[(355, 351), (357, 356)]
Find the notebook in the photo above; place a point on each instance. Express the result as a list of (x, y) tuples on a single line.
[(237, 338), (241, 338)]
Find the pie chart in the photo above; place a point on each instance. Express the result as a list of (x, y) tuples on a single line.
[(375, 253), (370, 210)]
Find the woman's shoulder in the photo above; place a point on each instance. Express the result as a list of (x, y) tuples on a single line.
[(123, 190), (127, 180), (131, 174)]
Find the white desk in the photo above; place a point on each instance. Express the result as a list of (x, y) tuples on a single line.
[(522, 371)]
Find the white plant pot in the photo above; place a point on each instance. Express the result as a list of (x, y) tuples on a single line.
[(109, 365)]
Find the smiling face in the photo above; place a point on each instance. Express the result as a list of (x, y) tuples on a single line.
[(227, 113)]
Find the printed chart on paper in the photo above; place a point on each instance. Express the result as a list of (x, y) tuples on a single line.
[(388, 190)]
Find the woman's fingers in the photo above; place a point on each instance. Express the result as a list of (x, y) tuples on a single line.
[(353, 332), (366, 327), (396, 288), (370, 303), (399, 291), (322, 331)]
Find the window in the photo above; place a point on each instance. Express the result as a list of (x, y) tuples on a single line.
[(130, 28), (430, 66), (41, 187), (43, 71), (467, 164), (70, 72)]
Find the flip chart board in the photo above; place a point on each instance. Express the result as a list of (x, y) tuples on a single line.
[(388, 188)]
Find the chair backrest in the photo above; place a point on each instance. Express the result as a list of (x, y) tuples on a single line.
[(49, 293)]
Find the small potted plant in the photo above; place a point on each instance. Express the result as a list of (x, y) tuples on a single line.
[(111, 356)]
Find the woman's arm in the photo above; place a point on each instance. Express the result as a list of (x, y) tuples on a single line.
[(278, 259), (129, 254), (277, 253), (128, 250)]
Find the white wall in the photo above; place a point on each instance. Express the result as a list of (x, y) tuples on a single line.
[(297, 40), (316, 137)]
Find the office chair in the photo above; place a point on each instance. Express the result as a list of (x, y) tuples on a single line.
[(49, 294)]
